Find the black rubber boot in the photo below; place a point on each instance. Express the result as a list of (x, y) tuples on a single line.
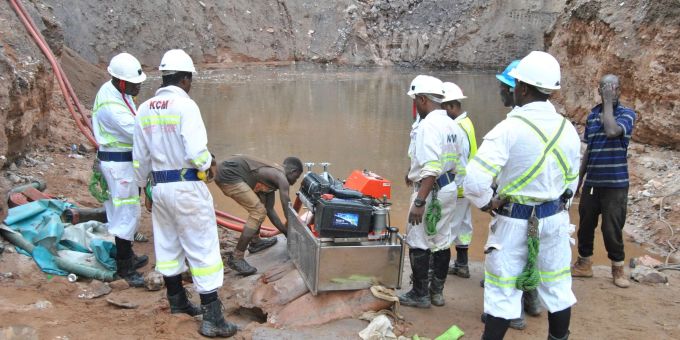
[(179, 303), (213, 324), (494, 328), (241, 266), (518, 324), (127, 272), (139, 261), (261, 244), (532, 305), (418, 296), (566, 337), (460, 270), (440, 267)]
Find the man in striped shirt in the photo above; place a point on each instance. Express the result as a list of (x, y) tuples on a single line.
[(608, 130)]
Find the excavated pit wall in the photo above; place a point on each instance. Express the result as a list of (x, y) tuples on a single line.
[(638, 41), (26, 80), (458, 34)]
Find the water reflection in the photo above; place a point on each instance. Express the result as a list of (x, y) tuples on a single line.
[(354, 119)]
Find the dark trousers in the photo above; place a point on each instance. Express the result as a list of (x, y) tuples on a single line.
[(612, 204)]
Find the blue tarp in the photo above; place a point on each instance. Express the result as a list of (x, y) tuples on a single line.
[(40, 223)]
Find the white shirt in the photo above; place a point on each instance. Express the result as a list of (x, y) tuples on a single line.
[(169, 135), (512, 147), (112, 121), (436, 146)]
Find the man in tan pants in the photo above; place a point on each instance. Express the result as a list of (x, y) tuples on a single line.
[(251, 182)]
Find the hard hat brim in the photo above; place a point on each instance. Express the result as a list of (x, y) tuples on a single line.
[(135, 80), (519, 77), (506, 80)]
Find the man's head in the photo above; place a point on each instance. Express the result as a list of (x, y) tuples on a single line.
[(293, 169), (126, 73), (536, 76), (611, 80), (427, 93), (507, 85), (452, 97), (177, 69)]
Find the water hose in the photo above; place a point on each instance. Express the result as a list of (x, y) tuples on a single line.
[(64, 264), (83, 122), (36, 184)]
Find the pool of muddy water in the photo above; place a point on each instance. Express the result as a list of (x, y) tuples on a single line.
[(351, 118)]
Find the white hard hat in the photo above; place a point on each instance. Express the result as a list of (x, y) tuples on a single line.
[(539, 69), (452, 92), (176, 60), (425, 85), (126, 67)]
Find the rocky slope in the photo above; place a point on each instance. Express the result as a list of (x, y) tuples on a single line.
[(26, 81), (637, 40), (463, 33)]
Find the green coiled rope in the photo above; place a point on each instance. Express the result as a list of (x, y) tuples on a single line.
[(433, 214), (529, 279), (98, 187)]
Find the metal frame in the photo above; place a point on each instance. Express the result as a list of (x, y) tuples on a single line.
[(330, 266)]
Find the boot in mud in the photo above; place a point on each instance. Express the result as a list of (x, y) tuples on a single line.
[(619, 275), (213, 324), (127, 272), (259, 244), (460, 270), (418, 296), (518, 324), (440, 268), (179, 303), (139, 261), (532, 305), (240, 265), (583, 267)]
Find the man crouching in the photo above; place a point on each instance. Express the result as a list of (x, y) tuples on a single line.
[(251, 182)]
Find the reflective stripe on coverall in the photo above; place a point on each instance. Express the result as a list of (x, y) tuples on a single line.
[(435, 148), (462, 214), (113, 125), (170, 135), (508, 153)]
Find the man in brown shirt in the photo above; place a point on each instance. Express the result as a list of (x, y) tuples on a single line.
[(251, 182)]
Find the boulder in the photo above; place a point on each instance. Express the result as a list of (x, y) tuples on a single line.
[(644, 274)]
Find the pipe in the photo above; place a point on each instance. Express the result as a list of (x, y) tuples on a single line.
[(79, 215), (239, 228), (64, 264), (240, 220), (64, 84), (37, 184)]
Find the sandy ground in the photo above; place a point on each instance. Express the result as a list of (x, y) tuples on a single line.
[(50, 307)]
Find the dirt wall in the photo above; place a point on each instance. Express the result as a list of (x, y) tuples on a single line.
[(638, 41), (26, 81), (461, 34)]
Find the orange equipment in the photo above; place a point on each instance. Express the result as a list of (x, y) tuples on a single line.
[(369, 183)]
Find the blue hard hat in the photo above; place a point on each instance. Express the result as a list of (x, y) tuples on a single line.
[(505, 78)]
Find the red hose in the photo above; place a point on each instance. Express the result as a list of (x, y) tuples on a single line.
[(239, 228), (240, 220), (83, 123)]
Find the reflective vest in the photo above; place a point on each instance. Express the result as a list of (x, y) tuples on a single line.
[(469, 128)]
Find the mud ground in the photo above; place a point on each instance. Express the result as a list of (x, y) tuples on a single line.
[(50, 308)]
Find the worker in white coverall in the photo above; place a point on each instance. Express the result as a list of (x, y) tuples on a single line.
[(113, 120), (435, 148), (461, 226), (170, 150), (533, 156), (531, 304)]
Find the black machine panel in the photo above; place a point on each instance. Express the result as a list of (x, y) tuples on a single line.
[(342, 218)]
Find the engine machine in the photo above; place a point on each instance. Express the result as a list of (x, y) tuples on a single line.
[(348, 243)]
